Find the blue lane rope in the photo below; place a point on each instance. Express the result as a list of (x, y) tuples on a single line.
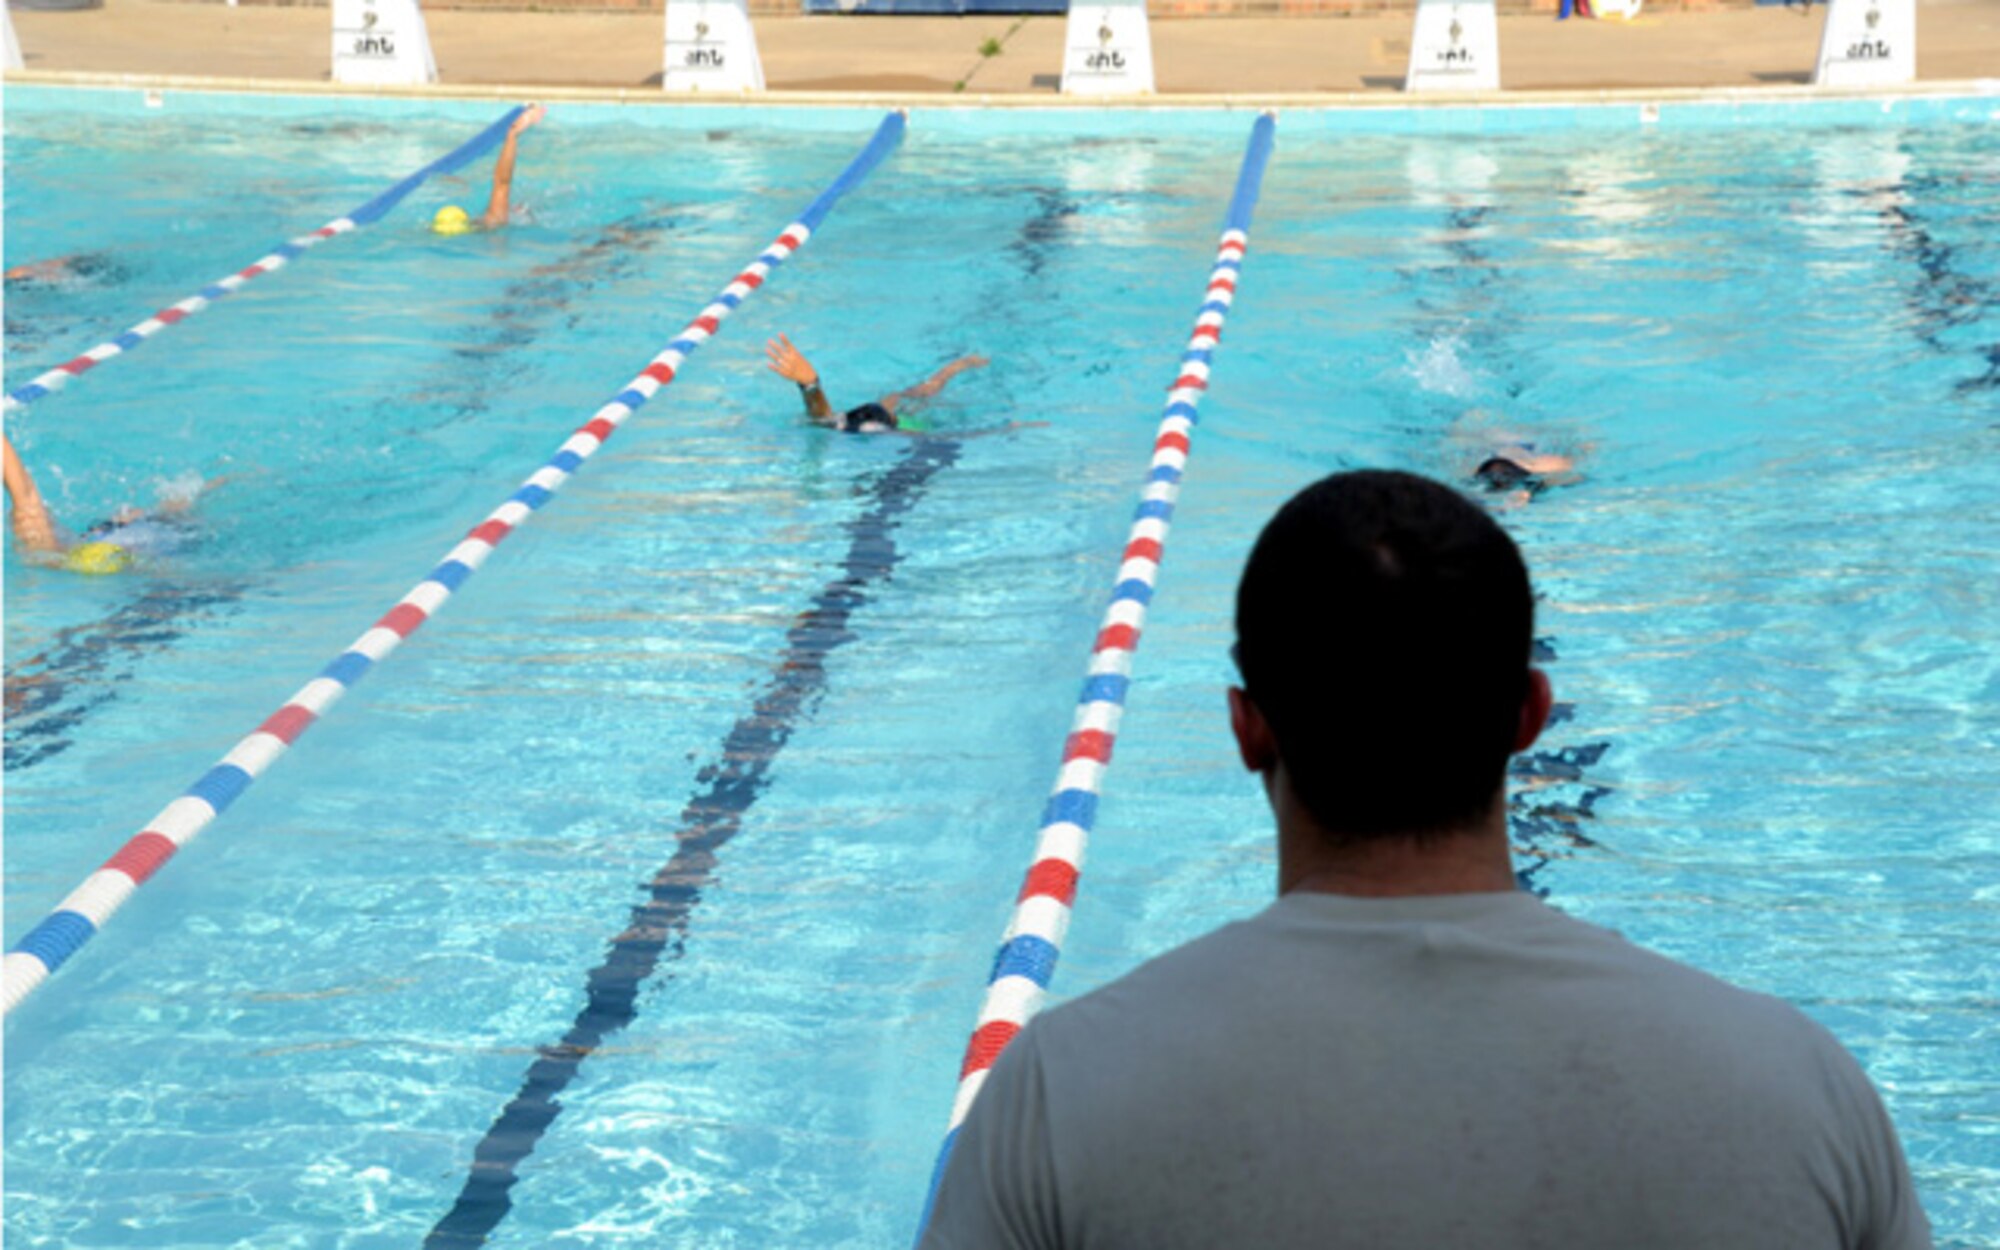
[(373, 211), (451, 162), (1026, 961), (85, 910)]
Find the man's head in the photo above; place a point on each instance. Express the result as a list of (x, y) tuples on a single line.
[(1383, 630)]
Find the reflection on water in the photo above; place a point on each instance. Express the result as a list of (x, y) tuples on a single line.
[(1767, 614)]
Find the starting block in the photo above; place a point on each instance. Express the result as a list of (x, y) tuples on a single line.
[(1868, 43), (381, 43), (711, 47), (13, 54), (1454, 46), (1107, 49)]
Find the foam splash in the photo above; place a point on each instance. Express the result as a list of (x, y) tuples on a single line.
[(180, 490), (1440, 370)]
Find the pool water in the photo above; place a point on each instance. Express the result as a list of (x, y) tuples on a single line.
[(1767, 609)]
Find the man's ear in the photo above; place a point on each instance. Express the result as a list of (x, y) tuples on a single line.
[(1254, 740), (1534, 710)]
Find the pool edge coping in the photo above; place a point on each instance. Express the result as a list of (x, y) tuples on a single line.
[(1345, 101)]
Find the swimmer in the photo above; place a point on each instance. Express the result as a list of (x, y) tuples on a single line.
[(451, 219), (1519, 472), (110, 546), (886, 415), (1508, 464), (96, 268)]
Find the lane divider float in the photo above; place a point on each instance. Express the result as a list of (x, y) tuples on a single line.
[(79, 917), (368, 214), (1027, 957)]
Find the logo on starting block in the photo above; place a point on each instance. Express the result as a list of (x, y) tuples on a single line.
[(710, 47), (1107, 50), (1454, 46), (1868, 43), (380, 43)]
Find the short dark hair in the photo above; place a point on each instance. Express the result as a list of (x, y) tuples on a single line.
[(1383, 627)]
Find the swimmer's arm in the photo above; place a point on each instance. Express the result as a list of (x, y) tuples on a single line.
[(816, 406), (790, 364), (183, 501), (1552, 469), (34, 529), (41, 270), (503, 169)]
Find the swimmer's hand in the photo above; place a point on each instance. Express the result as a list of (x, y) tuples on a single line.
[(534, 113), (787, 363)]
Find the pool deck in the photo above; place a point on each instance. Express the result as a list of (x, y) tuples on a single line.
[(1344, 59)]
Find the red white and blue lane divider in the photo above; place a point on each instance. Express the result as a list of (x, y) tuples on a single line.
[(78, 918), (373, 211), (1027, 958)]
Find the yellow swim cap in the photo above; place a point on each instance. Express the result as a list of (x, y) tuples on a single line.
[(97, 559), (451, 219)]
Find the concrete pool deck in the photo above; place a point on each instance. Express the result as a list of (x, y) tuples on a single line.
[(1340, 57)]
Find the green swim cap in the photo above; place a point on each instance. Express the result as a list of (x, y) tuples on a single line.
[(451, 219), (97, 559)]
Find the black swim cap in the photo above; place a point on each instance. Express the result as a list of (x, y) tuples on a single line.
[(1497, 473), (857, 420)]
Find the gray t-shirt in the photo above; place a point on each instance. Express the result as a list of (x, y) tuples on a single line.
[(1473, 1070)]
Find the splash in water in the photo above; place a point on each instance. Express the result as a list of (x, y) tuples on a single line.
[(1440, 370)]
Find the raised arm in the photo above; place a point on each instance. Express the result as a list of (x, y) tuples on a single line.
[(503, 168), (1553, 469), (788, 363), (34, 529)]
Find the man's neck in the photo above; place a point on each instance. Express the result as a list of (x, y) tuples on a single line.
[(1472, 859)]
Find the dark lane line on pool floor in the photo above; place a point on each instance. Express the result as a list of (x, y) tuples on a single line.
[(51, 693), (92, 660), (659, 927), (1542, 826), (483, 1202), (1946, 298), (1043, 238)]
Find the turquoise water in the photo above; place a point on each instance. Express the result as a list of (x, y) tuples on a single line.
[(1768, 607)]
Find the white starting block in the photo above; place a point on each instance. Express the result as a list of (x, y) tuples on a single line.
[(13, 54), (710, 47), (381, 43), (1107, 49), (1868, 43), (1454, 46)]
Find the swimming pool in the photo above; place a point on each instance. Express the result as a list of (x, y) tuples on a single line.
[(1768, 610)]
